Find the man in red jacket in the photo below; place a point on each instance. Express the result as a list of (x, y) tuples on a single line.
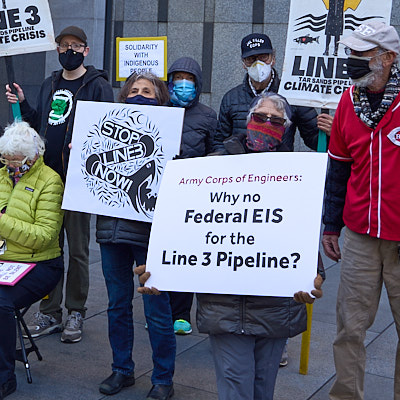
[(362, 194)]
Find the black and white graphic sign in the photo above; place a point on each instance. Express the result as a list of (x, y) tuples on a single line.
[(118, 156), (25, 27), (314, 71)]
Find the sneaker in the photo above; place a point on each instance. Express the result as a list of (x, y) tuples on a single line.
[(72, 332), (43, 324), (182, 327), (284, 358)]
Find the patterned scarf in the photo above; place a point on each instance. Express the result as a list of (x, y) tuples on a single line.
[(263, 136), (361, 104), (16, 174)]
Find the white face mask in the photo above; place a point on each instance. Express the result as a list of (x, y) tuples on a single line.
[(259, 71)]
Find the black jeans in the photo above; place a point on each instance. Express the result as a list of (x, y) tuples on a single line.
[(31, 288)]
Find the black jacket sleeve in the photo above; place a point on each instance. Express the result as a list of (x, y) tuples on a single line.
[(335, 195), (305, 119)]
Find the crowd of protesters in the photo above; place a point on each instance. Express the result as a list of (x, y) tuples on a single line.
[(361, 189)]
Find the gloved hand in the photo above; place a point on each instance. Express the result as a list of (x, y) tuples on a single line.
[(304, 297)]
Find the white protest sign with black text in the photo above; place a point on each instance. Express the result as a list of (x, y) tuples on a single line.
[(26, 27), (141, 55), (242, 224), (118, 156), (314, 71)]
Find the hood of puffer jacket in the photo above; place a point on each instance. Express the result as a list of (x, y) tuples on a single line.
[(188, 64)]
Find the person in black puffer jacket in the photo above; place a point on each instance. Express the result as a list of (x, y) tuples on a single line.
[(248, 333), (258, 59), (199, 124), (122, 243)]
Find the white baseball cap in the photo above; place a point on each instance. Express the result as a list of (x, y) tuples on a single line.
[(373, 34)]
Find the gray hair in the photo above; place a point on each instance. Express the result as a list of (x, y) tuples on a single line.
[(19, 139), (277, 100)]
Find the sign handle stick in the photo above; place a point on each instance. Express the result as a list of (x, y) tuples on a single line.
[(306, 336), (16, 110), (305, 342), (322, 139)]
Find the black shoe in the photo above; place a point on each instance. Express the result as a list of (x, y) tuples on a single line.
[(161, 392), (7, 388), (115, 382)]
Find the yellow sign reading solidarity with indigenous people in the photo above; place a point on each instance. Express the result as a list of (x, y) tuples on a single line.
[(141, 55), (314, 71)]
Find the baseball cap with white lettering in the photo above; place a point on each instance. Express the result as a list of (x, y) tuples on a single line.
[(373, 34)]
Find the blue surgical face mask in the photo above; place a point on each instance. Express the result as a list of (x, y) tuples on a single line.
[(182, 92), (139, 99)]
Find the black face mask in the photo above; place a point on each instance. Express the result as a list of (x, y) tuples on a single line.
[(139, 99), (71, 60), (357, 68)]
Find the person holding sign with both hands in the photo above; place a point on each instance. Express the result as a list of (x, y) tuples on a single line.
[(248, 333), (30, 222)]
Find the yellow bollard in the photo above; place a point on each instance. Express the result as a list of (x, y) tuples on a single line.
[(305, 342)]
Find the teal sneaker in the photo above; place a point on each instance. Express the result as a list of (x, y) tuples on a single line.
[(182, 327)]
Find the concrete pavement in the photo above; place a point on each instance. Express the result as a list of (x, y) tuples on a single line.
[(74, 371)]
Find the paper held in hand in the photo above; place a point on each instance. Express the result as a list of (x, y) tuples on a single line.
[(12, 272)]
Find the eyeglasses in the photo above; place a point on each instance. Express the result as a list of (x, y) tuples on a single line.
[(17, 163), (262, 118), (74, 46), (350, 52), (249, 61)]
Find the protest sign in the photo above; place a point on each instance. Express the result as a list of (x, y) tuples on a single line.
[(314, 71), (12, 272), (26, 27), (118, 155), (141, 55), (242, 224)]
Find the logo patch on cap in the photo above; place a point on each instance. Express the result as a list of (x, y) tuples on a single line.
[(394, 136)]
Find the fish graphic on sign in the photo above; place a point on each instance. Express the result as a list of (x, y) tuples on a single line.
[(338, 18)]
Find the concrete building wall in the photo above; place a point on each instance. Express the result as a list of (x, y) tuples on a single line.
[(210, 31)]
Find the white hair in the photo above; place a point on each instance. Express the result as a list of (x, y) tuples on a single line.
[(19, 139)]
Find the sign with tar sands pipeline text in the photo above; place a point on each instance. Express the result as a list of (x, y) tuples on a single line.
[(241, 224), (314, 70), (25, 27)]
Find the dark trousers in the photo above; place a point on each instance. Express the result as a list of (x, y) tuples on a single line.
[(181, 304), (117, 262), (31, 288)]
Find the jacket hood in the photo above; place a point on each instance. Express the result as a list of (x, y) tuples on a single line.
[(188, 64)]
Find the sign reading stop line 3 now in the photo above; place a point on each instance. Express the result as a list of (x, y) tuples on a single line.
[(141, 55), (25, 27), (242, 224)]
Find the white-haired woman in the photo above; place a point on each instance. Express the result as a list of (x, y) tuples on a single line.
[(30, 222), (248, 333)]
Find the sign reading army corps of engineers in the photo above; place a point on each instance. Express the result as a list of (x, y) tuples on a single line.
[(25, 27), (240, 224), (141, 55), (314, 72), (118, 156)]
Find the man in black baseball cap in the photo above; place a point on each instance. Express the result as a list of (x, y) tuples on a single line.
[(258, 57), (54, 118)]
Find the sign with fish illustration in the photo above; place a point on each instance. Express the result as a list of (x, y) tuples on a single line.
[(314, 70), (118, 156)]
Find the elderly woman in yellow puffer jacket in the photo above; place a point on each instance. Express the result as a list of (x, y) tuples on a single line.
[(30, 222)]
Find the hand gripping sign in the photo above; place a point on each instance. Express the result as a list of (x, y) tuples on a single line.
[(118, 156)]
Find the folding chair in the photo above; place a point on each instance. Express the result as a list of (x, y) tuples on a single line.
[(23, 352)]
